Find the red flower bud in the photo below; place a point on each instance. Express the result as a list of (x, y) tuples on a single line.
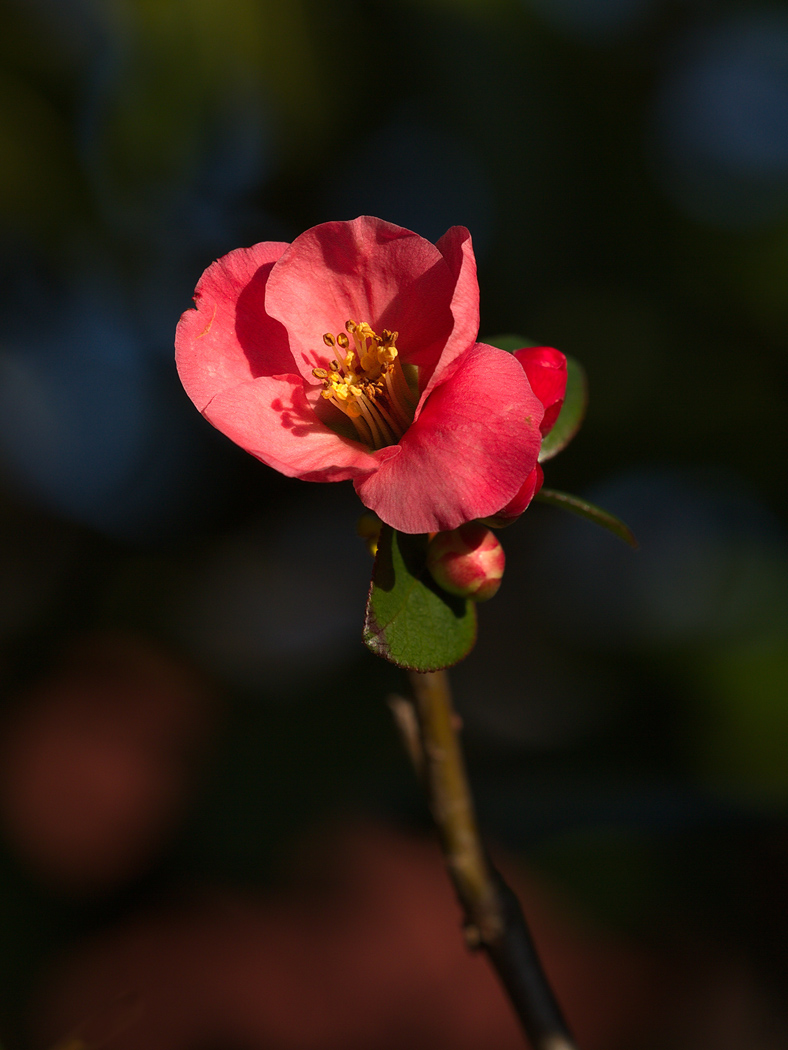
[(514, 508), (547, 374), (468, 561)]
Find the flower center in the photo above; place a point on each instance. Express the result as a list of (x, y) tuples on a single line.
[(368, 384)]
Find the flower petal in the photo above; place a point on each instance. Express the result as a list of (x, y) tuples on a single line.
[(273, 418), (468, 453), (546, 371), (229, 338), (365, 270), (456, 248)]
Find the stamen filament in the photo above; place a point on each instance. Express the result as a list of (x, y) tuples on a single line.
[(393, 426), (376, 425), (403, 391), (401, 412), (363, 430)]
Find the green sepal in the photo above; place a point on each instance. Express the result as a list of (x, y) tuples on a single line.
[(409, 619), (572, 411), (587, 510)]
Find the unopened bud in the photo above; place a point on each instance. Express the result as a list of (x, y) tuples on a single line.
[(468, 561), (368, 528), (515, 507)]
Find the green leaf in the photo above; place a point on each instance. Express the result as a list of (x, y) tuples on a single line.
[(572, 412), (509, 342), (587, 510), (409, 620)]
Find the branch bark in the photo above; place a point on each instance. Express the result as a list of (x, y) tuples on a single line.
[(494, 920)]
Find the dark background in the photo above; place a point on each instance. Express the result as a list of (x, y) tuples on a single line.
[(186, 696)]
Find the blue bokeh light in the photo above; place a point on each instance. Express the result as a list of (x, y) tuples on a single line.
[(594, 20), (720, 124)]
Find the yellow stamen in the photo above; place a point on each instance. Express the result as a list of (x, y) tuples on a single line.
[(368, 384)]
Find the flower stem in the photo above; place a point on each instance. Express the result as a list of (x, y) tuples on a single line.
[(494, 919)]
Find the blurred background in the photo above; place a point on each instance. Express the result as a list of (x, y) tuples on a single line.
[(211, 839)]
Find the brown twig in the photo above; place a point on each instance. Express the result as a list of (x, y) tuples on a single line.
[(494, 919)]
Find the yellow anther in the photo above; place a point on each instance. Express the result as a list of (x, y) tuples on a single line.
[(367, 384)]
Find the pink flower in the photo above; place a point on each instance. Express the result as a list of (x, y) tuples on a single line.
[(351, 354)]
